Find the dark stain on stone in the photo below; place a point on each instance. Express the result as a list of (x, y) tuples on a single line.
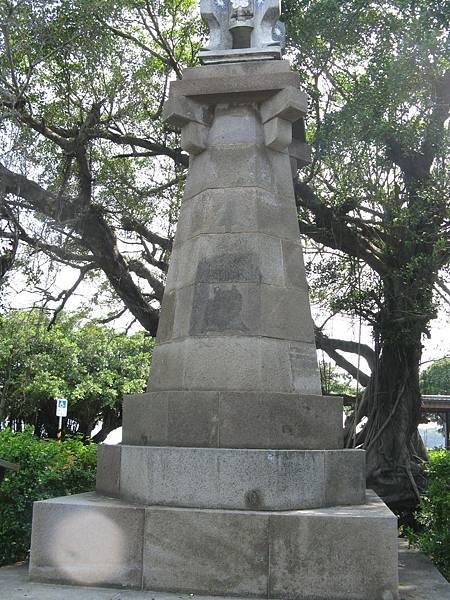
[(253, 499), (229, 267), (222, 312), (289, 429)]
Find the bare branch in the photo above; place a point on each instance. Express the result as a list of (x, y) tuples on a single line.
[(68, 293), (331, 345)]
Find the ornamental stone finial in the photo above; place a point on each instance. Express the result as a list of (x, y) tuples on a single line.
[(242, 30)]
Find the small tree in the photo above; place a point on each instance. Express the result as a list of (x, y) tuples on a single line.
[(89, 364), (436, 378), (375, 201)]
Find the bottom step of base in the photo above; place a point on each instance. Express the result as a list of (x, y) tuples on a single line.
[(339, 553)]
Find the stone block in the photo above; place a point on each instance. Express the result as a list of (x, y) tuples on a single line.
[(345, 478), (239, 258), (108, 470), (237, 210), (278, 134), (294, 167), (263, 69), (179, 111), (285, 314), (232, 55), (194, 138), (235, 362), (263, 420), (222, 363), (288, 366), (238, 478), (194, 418), (175, 318), (290, 104), (226, 258), (206, 552), (339, 553), (168, 363), (227, 309), (231, 166), (144, 419), (167, 316), (281, 170), (299, 130), (293, 265), (231, 210), (233, 420), (236, 125), (87, 540), (241, 308), (219, 83), (304, 371)]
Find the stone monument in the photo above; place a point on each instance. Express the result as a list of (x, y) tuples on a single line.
[(231, 479)]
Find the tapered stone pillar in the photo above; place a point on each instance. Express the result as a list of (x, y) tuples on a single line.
[(231, 478)]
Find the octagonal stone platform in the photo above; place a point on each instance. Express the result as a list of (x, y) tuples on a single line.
[(233, 420), (232, 478), (264, 554)]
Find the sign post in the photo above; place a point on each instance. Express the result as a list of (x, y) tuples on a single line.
[(61, 411)]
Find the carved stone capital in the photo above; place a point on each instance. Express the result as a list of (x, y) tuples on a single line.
[(194, 137), (290, 104), (277, 134), (179, 111)]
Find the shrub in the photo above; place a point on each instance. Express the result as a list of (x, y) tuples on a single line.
[(47, 469), (433, 515)]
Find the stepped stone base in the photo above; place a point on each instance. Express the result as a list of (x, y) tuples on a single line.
[(233, 420), (339, 553), (232, 478)]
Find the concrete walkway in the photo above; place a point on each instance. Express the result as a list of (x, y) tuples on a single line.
[(419, 580)]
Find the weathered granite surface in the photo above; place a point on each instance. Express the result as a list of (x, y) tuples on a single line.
[(418, 580), (233, 420), (231, 479), (337, 553)]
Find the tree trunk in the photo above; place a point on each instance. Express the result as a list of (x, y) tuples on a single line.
[(111, 420), (391, 402)]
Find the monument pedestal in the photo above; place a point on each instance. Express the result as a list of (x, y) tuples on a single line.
[(339, 553), (232, 478)]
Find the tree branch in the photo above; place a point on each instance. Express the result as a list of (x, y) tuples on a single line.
[(176, 154), (331, 231), (330, 345), (96, 235), (323, 342), (130, 224)]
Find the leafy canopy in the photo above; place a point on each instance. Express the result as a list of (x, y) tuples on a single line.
[(91, 365), (436, 378)]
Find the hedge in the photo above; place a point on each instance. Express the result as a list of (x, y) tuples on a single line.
[(47, 469), (433, 514)]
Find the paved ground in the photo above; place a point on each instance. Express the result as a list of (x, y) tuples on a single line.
[(419, 580)]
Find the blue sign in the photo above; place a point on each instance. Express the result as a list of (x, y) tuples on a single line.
[(61, 407)]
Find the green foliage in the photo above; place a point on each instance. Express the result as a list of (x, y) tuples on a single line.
[(436, 378), (433, 514), (47, 469), (376, 73), (335, 381), (91, 365)]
